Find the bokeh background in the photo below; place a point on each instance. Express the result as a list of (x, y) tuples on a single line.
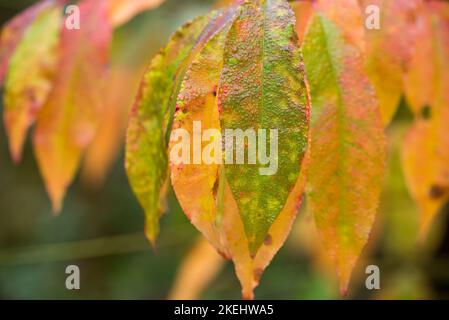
[(101, 226)]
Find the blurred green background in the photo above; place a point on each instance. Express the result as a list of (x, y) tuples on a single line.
[(101, 230)]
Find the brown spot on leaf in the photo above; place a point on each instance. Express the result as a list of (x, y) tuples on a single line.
[(258, 274), (436, 192), (268, 240)]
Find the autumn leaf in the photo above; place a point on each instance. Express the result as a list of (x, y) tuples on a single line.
[(303, 12), (226, 3), (347, 16), (249, 268), (199, 268), (428, 140), (130, 56), (68, 120), (30, 78), (418, 83), (262, 86), (388, 50), (348, 147), (14, 30), (146, 150), (120, 11), (122, 84), (197, 112)]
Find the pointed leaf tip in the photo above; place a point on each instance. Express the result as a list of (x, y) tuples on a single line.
[(30, 77), (146, 148), (347, 131), (67, 122), (262, 86)]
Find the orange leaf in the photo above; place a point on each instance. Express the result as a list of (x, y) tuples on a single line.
[(69, 119), (303, 12), (121, 88), (120, 11), (198, 269), (197, 102), (426, 149), (388, 50)]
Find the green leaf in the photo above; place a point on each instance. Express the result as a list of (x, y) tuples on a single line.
[(348, 145), (30, 77), (197, 103), (12, 32), (152, 116), (262, 87)]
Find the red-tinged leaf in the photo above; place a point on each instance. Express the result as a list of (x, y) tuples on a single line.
[(263, 87), (346, 15), (425, 71), (303, 12), (198, 269), (13, 31), (68, 120), (196, 114), (30, 78), (121, 11), (348, 145), (149, 123), (426, 149), (388, 50)]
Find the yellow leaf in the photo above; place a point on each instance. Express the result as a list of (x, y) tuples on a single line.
[(120, 11)]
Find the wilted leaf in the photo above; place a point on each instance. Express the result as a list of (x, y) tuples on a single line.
[(348, 147), (30, 77), (198, 269), (120, 11), (13, 31), (197, 102), (67, 122), (146, 148), (426, 149), (388, 50), (262, 87)]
